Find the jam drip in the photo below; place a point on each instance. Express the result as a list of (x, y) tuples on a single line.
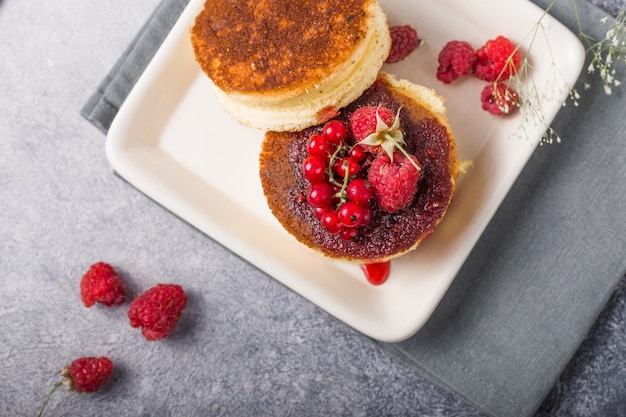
[(376, 273)]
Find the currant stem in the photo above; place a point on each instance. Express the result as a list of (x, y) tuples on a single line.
[(341, 194), (331, 162), (45, 403)]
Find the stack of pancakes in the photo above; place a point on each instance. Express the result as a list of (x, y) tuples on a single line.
[(286, 67)]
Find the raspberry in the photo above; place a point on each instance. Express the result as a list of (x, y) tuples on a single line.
[(404, 40), (455, 60), (363, 121), (498, 59), (101, 284), (394, 183), (500, 99), (158, 310), (369, 120), (83, 375), (89, 374)]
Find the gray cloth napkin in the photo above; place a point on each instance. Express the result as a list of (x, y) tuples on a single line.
[(542, 271), (544, 268), (104, 104)]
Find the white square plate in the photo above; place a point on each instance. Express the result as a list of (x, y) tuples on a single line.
[(172, 141)]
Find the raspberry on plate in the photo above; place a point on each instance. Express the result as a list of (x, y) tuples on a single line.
[(404, 40), (158, 310), (455, 60), (499, 99), (102, 284), (498, 59), (394, 183)]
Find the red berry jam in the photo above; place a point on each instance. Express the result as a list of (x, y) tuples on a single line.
[(376, 273)]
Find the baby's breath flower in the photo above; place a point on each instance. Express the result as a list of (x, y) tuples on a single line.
[(606, 53), (603, 56)]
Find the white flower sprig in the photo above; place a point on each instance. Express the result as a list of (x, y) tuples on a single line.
[(608, 52), (605, 54)]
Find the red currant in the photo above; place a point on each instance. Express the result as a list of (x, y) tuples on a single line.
[(348, 233), (367, 215), (314, 169), (350, 214), (357, 153), (319, 212), (320, 194), (335, 131), (336, 194), (343, 165), (317, 145), (360, 191), (330, 220)]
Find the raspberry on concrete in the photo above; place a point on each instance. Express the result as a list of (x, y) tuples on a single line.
[(498, 59), (404, 40), (158, 310), (87, 374), (455, 60), (102, 284)]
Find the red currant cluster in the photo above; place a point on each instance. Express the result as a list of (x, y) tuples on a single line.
[(340, 199)]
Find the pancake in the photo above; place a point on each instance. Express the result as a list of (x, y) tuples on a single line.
[(282, 65), (428, 136)]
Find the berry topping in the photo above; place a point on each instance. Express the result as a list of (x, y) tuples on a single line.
[(314, 169), (394, 182), (348, 233), (455, 60), (377, 129), (359, 191), (376, 273), (350, 214), (158, 310), (330, 220), (346, 167), (335, 131), (367, 215), (365, 121), (320, 194), (358, 153), (499, 98), (498, 59), (317, 145), (101, 284), (338, 193), (404, 40)]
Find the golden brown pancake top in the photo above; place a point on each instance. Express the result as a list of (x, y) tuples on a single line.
[(267, 45)]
